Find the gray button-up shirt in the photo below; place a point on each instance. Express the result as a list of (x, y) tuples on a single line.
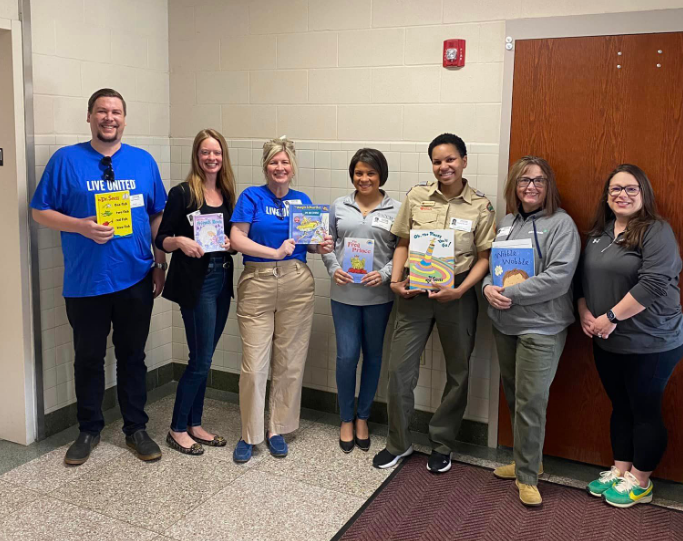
[(347, 220)]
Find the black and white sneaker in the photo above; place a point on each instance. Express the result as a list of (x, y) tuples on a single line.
[(384, 459), (439, 463)]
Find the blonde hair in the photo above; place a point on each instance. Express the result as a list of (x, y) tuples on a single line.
[(196, 177), (275, 146)]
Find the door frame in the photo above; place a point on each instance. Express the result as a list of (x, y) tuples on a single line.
[(604, 24)]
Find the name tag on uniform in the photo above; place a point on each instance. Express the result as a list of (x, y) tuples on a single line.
[(190, 217), (382, 222), (137, 200), (504, 231), (292, 202), (460, 224), (427, 203)]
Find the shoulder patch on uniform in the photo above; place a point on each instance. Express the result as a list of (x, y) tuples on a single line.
[(416, 185), (489, 207), (479, 193)]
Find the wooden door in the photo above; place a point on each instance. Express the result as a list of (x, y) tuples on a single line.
[(573, 105)]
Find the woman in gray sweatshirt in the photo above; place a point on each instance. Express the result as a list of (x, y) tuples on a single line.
[(530, 318), (361, 223)]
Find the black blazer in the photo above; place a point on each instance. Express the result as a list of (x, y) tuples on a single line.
[(186, 274)]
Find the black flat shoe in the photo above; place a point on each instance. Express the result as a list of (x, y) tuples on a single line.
[(217, 441), (195, 449), (145, 447), (346, 446), (363, 445), (80, 450)]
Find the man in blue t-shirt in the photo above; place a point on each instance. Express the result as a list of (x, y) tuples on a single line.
[(110, 274)]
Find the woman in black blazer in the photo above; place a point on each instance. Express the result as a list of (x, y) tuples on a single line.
[(201, 283)]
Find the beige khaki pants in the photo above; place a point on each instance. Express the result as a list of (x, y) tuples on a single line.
[(275, 313)]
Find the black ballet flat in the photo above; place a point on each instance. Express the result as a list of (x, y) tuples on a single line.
[(195, 449), (363, 445), (346, 446), (217, 441)]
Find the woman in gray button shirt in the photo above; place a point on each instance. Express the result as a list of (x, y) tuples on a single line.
[(361, 308), (630, 306)]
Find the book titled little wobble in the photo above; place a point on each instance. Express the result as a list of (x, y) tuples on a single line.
[(209, 232), (308, 224), (431, 259), (358, 258), (512, 262), (113, 210)]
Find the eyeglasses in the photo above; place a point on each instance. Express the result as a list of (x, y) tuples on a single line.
[(108, 174), (280, 209), (631, 191), (539, 182)]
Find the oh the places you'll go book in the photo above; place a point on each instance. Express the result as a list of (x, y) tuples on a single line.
[(358, 258), (432, 258), (308, 224), (512, 262)]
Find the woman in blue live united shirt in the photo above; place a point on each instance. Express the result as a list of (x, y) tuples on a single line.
[(275, 298)]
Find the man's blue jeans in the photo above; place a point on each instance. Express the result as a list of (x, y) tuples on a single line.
[(204, 325), (358, 327)]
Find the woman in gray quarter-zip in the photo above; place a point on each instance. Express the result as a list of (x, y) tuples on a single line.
[(629, 303), (361, 310), (530, 319)]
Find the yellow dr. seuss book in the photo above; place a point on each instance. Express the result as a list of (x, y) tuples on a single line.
[(113, 209)]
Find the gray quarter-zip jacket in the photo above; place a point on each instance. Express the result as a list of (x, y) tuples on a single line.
[(609, 271), (346, 220), (542, 304)]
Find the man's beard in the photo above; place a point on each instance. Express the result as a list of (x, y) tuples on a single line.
[(105, 139)]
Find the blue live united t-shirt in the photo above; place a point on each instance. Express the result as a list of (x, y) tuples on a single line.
[(268, 217), (71, 179)]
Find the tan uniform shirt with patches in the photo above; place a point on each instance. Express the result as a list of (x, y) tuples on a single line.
[(470, 215)]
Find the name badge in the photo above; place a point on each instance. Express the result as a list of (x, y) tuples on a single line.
[(428, 203), (460, 224), (137, 200), (382, 222), (504, 231), (190, 217), (292, 202)]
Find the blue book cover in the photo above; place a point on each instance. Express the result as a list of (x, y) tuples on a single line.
[(512, 262), (358, 258), (308, 224)]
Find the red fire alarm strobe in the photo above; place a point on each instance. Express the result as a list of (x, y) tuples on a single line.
[(454, 53)]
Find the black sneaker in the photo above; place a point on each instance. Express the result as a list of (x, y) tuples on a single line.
[(144, 446), (384, 459), (79, 451), (439, 463)]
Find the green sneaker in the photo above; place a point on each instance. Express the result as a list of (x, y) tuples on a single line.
[(627, 492), (607, 479)]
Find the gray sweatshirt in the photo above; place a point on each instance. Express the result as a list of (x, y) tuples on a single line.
[(542, 304), (609, 271), (346, 220)]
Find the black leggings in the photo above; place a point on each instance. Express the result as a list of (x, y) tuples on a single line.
[(635, 384)]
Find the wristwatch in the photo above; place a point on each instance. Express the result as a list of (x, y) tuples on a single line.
[(612, 318), (163, 266)]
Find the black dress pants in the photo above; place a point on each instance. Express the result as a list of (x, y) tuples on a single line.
[(130, 312)]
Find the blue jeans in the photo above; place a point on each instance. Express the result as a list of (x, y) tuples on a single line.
[(204, 325), (358, 327)]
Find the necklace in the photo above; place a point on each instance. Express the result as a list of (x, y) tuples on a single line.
[(367, 209)]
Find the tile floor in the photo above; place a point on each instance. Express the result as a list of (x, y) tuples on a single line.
[(114, 496)]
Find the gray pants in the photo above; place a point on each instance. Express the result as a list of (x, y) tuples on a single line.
[(528, 364), (456, 322)]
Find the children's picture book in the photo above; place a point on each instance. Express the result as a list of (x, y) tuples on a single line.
[(512, 262), (209, 232), (358, 258), (113, 209), (308, 224), (432, 258)]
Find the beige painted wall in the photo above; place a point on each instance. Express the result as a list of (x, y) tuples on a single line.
[(17, 401)]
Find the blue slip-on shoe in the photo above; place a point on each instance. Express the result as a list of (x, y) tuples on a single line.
[(277, 446), (242, 452)]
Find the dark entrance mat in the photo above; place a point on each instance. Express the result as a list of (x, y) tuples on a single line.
[(469, 503)]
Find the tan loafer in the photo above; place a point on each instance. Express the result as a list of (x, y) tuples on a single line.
[(508, 471), (529, 495)]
